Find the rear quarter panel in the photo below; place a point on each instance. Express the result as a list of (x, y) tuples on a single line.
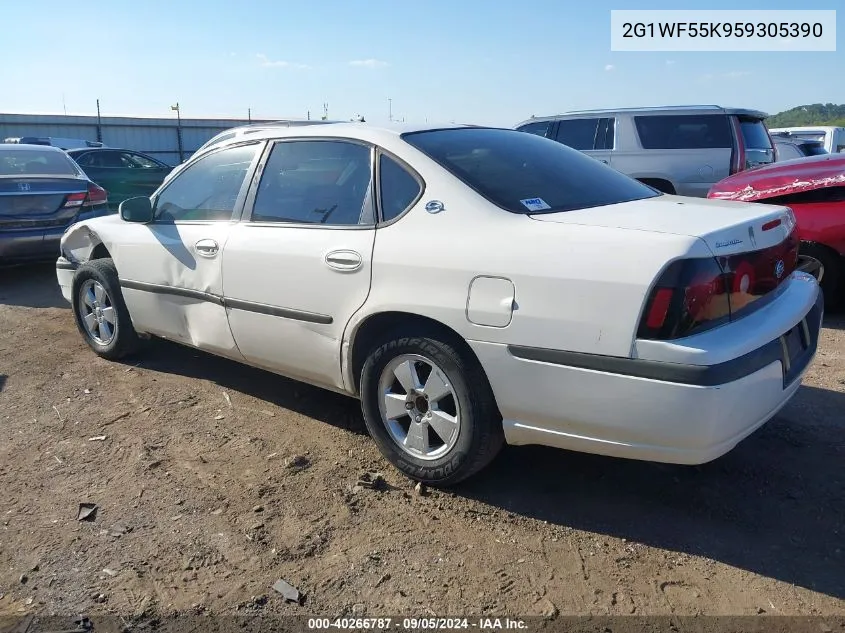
[(822, 222), (577, 287)]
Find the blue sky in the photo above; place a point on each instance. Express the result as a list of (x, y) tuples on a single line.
[(484, 61)]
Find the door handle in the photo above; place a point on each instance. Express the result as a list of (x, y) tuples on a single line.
[(207, 248), (344, 260)]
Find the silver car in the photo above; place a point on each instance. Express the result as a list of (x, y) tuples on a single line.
[(680, 150)]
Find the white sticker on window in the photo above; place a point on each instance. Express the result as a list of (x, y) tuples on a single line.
[(535, 204)]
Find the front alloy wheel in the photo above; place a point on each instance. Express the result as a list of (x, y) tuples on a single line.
[(97, 312)]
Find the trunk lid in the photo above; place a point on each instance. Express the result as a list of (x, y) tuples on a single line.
[(27, 202), (728, 228)]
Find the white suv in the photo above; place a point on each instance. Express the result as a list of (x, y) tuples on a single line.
[(676, 149)]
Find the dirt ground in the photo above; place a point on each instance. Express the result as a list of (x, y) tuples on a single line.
[(214, 480)]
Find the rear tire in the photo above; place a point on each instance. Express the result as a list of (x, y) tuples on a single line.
[(832, 278), (100, 312), (429, 408)]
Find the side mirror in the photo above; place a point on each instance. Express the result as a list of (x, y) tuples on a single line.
[(136, 210)]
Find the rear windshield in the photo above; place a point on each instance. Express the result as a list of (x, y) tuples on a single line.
[(813, 149), (758, 146), (755, 134), (35, 162), (525, 173)]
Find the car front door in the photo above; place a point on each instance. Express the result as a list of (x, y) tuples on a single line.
[(170, 269), (299, 265)]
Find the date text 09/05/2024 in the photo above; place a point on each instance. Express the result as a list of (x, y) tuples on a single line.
[(416, 624)]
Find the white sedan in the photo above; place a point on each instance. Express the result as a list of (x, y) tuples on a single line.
[(471, 286)]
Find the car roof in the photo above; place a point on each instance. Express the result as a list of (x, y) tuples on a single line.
[(668, 109), (778, 179), (27, 147), (374, 133)]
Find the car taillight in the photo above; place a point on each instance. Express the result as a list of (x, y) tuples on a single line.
[(76, 199), (694, 295), (738, 155), (96, 195), (689, 297)]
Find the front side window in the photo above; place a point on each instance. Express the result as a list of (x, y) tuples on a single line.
[(316, 182), (682, 131), (209, 189), (578, 134), (138, 161), (523, 173), (398, 188)]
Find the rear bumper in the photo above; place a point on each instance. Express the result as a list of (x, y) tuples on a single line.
[(18, 246), (664, 411)]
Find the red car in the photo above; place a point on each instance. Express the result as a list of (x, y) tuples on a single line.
[(814, 188)]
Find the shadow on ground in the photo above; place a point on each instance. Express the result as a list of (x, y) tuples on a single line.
[(326, 406), (31, 286), (774, 506)]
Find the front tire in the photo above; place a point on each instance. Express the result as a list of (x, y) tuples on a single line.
[(100, 312), (430, 409)]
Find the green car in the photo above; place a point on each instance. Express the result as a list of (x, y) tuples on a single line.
[(122, 173)]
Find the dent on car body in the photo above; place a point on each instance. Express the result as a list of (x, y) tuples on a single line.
[(750, 194)]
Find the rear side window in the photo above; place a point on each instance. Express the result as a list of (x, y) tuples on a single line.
[(578, 134), (522, 173), (398, 188), (540, 128), (316, 182), (700, 131)]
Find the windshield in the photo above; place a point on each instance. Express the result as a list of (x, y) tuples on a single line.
[(35, 162), (525, 173)]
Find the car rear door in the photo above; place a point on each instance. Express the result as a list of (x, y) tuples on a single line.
[(299, 265), (170, 269), (588, 135)]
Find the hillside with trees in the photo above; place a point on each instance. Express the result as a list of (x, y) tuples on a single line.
[(815, 114)]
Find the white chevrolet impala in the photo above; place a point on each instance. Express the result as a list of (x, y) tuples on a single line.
[(471, 286)]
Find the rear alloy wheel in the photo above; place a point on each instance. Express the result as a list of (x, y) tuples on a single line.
[(430, 409), (101, 314)]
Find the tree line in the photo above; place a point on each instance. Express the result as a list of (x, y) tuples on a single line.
[(814, 114)]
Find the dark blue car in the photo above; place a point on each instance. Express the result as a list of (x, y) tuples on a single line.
[(42, 192)]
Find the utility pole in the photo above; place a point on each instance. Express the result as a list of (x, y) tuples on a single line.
[(179, 131), (308, 114), (99, 124), (325, 112), (390, 109), (249, 114)]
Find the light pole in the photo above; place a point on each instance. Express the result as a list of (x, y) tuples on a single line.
[(179, 130)]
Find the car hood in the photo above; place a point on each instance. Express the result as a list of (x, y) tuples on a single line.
[(780, 179), (726, 227)]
